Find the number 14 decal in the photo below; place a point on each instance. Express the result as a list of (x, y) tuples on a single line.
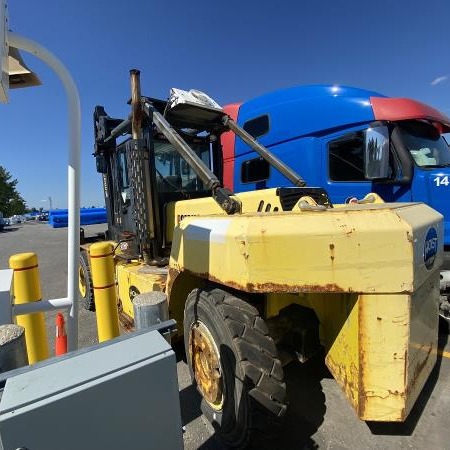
[(441, 180)]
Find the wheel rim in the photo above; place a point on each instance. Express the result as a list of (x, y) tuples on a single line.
[(82, 282), (205, 361)]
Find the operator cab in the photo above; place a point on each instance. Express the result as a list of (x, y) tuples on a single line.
[(168, 175), (173, 173)]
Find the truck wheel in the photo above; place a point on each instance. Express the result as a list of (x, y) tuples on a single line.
[(234, 364), (85, 282)]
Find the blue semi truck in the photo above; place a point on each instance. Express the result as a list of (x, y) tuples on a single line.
[(351, 142)]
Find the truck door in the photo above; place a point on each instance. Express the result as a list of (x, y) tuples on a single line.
[(343, 163)]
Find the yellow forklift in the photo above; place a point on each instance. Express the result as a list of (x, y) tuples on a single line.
[(258, 278)]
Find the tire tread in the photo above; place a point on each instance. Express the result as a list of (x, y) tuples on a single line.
[(258, 358), (88, 301)]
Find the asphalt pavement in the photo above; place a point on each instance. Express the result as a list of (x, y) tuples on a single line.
[(319, 416)]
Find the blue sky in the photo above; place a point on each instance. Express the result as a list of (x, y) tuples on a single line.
[(232, 50)]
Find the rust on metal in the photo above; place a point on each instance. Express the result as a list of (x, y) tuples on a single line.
[(126, 321), (284, 288), (332, 252), (361, 359), (263, 287), (205, 363), (340, 374), (405, 369), (172, 276), (136, 107), (419, 368)]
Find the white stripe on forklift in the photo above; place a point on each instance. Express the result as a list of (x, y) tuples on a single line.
[(208, 230)]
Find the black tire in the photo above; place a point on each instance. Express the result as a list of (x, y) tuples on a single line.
[(85, 288), (253, 400)]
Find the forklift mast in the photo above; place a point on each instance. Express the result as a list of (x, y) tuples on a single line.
[(171, 152)]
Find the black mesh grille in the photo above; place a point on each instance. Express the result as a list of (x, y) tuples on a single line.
[(290, 196)]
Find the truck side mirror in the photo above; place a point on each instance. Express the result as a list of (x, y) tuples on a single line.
[(100, 162), (376, 153)]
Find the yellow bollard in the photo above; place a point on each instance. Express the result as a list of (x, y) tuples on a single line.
[(26, 289), (102, 269)]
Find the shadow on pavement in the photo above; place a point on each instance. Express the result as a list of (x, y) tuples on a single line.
[(9, 230), (212, 444), (190, 404), (306, 403), (178, 348)]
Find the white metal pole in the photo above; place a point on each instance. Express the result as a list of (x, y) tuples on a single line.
[(73, 240), (41, 306)]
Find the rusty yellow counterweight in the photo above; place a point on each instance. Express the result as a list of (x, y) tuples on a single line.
[(102, 269), (26, 289)]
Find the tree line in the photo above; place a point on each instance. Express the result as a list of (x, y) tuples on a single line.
[(11, 202)]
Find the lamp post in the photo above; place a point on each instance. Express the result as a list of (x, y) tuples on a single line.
[(49, 199), (73, 239)]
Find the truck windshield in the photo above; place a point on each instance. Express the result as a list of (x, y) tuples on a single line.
[(427, 147), (173, 173)]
